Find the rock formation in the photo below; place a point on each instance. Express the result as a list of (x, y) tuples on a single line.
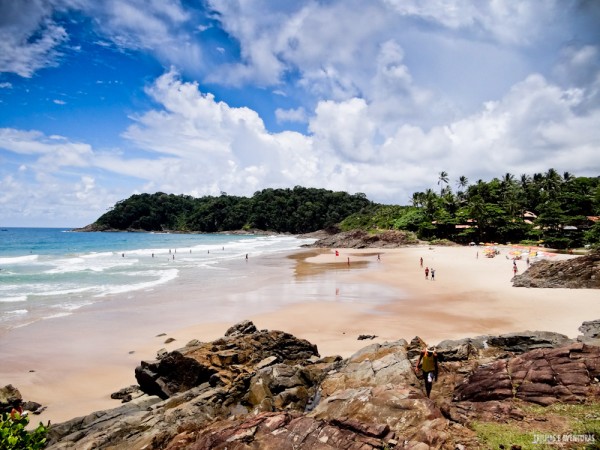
[(362, 239), (574, 273), (264, 389)]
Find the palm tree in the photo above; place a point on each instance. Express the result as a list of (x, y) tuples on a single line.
[(552, 181), (442, 179), (430, 202), (418, 198), (568, 176), (462, 182)]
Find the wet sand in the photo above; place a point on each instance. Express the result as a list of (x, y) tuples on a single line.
[(72, 364)]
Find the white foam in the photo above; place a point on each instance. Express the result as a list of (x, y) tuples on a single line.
[(18, 259), (165, 277), (18, 298)]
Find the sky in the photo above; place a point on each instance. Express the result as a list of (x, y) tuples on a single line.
[(100, 100)]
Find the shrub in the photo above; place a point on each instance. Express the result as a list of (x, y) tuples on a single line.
[(14, 436)]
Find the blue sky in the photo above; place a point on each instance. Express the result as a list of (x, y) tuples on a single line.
[(103, 99)]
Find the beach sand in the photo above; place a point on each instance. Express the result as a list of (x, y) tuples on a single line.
[(72, 364)]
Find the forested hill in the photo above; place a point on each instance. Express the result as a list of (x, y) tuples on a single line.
[(297, 210)]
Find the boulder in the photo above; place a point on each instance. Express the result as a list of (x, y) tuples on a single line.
[(221, 361), (528, 340), (544, 376), (10, 397)]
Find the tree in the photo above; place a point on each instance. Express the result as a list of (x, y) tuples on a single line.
[(442, 179)]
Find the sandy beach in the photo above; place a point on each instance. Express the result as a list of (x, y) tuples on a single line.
[(72, 364)]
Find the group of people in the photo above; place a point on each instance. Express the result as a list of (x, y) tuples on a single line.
[(428, 271)]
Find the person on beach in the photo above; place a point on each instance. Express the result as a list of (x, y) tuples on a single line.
[(428, 363), (427, 273), (515, 270), (421, 261), (432, 274)]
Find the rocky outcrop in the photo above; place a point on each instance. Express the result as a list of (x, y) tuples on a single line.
[(10, 398), (362, 239), (582, 272), (225, 361), (269, 390), (545, 376)]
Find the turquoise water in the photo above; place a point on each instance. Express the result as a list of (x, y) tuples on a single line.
[(50, 272)]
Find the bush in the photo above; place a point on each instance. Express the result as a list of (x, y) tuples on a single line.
[(14, 436)]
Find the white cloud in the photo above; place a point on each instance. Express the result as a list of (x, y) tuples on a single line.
[(5, 85), (29, 38), (59, 102), (291, 115)]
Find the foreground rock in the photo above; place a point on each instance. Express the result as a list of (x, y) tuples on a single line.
[(269, 390), (582, 272)]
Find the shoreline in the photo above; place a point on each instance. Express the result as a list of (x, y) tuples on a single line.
[(309, 293)]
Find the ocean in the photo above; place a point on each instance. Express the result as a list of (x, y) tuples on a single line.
[(51, 272)]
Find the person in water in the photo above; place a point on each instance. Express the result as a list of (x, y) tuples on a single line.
[(428, 363)]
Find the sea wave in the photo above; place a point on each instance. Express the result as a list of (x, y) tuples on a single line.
[(18, 298), (164, 277), (19, 259)]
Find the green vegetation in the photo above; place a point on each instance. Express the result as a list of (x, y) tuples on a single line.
[(558, 211), (14, 436), (578, 422), (298, 210), (493, 435)]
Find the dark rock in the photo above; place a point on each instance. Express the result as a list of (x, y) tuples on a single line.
[(10, 397), (542, 376), (582, 272), (221, 361), (363, 337), (362, 239), (126, 394), (244, 327), (527, 340), (591, 332), (270, 390), (169, 340)]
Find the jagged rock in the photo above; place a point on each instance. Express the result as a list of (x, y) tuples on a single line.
[(362, 337), (377, 387), (9, 398), (221, 361), (591, 332), (414, 348), (458, 350), (528, 340), (243, 327), (269, 390), (542, 376), (127, 394), (574, 273), (285, 431)]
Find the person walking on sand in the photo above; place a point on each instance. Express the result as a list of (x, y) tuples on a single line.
[(421, 261), (428, 363), (515, 270), (432, 274), (427, 273)]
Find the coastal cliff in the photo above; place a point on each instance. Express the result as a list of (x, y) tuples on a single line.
[(269, 390)]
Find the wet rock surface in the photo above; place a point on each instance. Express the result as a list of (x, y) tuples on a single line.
[(264, 389)]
